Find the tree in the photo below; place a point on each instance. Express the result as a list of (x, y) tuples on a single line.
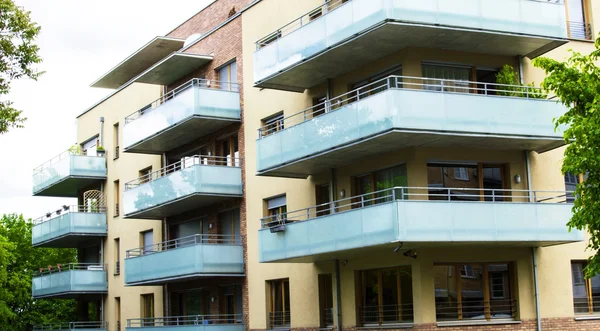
[(18, 55), (18, 260), (576, 83)]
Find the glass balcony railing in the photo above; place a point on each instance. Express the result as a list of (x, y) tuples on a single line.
[(414, 215), (192, 323), (71, 326), (427, 108), (68, 172), (69, 225), (500, 27), (185, 114), (70, 280), (193, 182), (185, 258)]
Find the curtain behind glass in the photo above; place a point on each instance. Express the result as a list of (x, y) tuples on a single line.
[(444, 72)]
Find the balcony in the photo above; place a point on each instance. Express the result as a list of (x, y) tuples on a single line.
[(185, 258), (194, 182), (183, 115), (67, 173), (188, 323), (414, 218), (70, 326), (69, 227), (337, 37), (398, 112), (70, 280)]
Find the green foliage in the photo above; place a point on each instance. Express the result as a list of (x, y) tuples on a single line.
[(18, 55), (18, 260), (576, 83), (75, 149), (508, 76)]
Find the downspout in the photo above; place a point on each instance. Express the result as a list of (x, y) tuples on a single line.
[(338, 297), (537, 293), (332, 189), (528, 170), (520, 59), (101, 134)]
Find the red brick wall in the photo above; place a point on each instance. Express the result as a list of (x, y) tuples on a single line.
[(224, 45), (208, 18)]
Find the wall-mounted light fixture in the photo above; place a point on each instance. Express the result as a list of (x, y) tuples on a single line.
[(342, 193), (410, 253), (213, 299), (211, 225), (518, 179)]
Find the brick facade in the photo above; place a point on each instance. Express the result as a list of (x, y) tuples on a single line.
[(225, 45)]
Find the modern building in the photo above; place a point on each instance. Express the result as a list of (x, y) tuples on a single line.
[(349, 164)]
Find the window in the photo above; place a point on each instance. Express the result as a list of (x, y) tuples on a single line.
[(89, 147), (385, 296), (456, 78), (474, 291), (147, 241), (462, 182), (269, 39), (116, 197), (313, 15), (190, 302), (232, 302), (578, 20), (320, 106), (374, 84), (118, 313), (276, 209), (117, 256), (326, 300), (145, 175), (381, 181), (148, 309), (279, 303), (586, 292), (461, 173), (228, 225), (229, 149), (571, 181), (323, 200), (116, 140), (228, 77), (272, 124)]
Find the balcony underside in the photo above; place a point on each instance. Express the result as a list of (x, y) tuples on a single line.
[(180, 134), (87, 295), (418, 224), (186, 278), (71, 240), (390, 37), (395, 139), (69, 187), (179, 206)]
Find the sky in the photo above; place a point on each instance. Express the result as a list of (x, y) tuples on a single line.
[(79, 42)]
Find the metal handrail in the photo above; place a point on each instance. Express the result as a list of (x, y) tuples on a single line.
[(68, 209), (201, 83), (403, 82), (386, 314), (59, 157), (579, 30), (299, 22), (424, 193), (187, 162), (185, 320), (320, 11), (195, 239), (280, 318), (497, 309), (71, 326), (71, 266)]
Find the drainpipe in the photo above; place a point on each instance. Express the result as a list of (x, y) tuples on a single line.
[(537, 293), (528, 169), (332, 189), (102, 309), (338, 296), (101, 135)]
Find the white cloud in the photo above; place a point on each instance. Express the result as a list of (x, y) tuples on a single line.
[(80, 40)]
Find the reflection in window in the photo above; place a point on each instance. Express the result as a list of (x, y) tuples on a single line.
[(386, 296), (379, 184), (473, 292), (571, 181), (586, 292), (279, 314)]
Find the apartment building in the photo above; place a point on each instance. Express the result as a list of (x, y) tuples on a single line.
[(349, 164)]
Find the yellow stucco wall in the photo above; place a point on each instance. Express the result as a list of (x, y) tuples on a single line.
[(125, 168), (554, 262)]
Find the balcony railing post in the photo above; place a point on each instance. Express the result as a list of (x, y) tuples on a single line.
[(394, 194), (362, 201), (442, 85), (485, 88), (448, 192)]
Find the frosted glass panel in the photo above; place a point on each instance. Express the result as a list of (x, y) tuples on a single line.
[(69, 224), (70, 281), (69, 166)]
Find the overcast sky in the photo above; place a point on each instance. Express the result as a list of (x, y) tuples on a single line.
[(80, 41)]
